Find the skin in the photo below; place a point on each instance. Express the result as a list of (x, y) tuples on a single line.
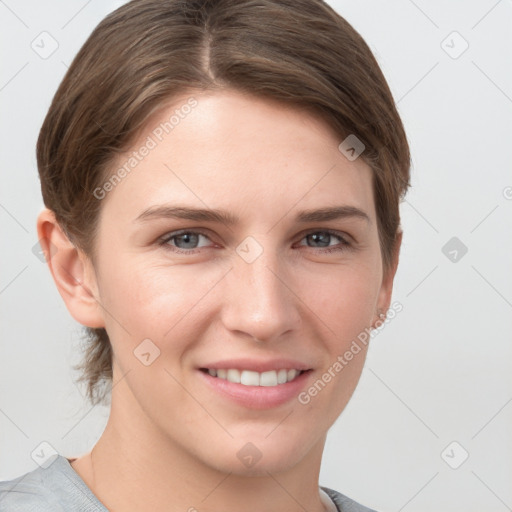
[(170, 442)]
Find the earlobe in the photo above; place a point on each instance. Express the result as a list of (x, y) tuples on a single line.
[(70, 270)]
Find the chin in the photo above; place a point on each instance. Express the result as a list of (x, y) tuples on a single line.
[(258, 456), (273, 464)]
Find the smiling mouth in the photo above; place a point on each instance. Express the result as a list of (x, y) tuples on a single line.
[(252, 378)]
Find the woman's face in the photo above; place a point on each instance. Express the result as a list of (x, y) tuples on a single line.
[(179, 295)]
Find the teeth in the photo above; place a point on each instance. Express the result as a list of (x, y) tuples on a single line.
[(268, 378), (233, 376), (250, 378), (282, 376), (292, 374)]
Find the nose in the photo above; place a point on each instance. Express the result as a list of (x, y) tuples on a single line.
[(258, 297)]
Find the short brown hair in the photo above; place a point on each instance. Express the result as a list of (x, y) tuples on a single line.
[(147, 52)]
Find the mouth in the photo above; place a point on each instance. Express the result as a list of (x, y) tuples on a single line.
[(252, 378), (255, 390)]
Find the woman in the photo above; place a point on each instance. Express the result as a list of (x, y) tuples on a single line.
[(222, 182)]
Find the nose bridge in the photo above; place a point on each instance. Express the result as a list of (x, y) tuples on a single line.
[(258, 299)]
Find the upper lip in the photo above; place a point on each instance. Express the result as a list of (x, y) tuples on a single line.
[(257, 366)]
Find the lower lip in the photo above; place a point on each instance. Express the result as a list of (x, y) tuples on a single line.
[(257, 397)]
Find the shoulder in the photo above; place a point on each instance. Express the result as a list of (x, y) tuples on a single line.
[(54, 487), (26, 493), (344, 503)]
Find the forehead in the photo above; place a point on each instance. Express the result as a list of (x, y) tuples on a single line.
[(234, 151)]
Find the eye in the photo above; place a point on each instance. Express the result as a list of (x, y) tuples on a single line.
[(186, 242), (323, 237)]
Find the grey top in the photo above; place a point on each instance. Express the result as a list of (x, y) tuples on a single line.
[(58, 488)]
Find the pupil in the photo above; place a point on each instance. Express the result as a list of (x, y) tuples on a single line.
[(187, 237), (316, 238)]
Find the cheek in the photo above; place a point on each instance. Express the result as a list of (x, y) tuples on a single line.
[(345, 306), (166, 303), (344, 299), (155, 302)]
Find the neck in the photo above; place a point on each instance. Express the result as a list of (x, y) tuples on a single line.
[(134, 466)]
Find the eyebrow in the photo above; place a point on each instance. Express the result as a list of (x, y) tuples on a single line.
[(227, 218)]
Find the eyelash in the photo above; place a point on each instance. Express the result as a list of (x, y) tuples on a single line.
[(164, 241)]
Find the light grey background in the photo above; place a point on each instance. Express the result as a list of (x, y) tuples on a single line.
[(438, 373)]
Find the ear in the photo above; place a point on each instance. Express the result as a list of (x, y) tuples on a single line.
[(71, 270), (386, 290)]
